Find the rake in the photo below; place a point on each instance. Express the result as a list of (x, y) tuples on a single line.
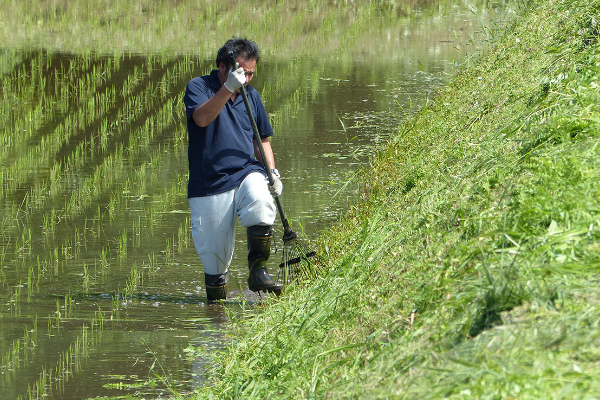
[(300, 261)]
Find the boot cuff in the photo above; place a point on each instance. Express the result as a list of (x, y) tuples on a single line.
[(216, 280), (260, 230)]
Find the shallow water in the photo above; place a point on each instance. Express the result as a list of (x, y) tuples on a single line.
[(108, 299)]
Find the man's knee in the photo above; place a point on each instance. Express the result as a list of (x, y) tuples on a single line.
[(258, 214)]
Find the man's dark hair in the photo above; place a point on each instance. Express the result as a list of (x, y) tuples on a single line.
[(244, 48)]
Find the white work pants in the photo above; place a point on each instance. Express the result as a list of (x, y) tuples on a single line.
[(213, 220)]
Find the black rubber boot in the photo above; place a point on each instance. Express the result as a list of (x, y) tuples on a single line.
[(215, 286), (259, 250)]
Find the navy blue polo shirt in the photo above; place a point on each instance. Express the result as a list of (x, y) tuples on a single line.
[(221, 154)]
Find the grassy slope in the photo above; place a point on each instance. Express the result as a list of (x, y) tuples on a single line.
[(483, 215)]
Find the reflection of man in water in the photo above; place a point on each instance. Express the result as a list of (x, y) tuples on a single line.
[(226, 180)]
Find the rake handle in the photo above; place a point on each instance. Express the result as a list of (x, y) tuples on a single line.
[(288, 234)]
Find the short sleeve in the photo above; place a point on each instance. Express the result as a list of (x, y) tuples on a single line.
[(196, 94)]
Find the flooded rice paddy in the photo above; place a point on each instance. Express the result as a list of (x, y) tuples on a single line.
[(101, 289)]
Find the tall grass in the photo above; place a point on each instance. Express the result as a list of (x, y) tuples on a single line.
[(285, 29), (470, 268)]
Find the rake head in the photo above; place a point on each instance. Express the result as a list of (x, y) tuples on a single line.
[(299, 261)]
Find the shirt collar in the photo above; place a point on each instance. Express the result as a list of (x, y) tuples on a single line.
[(215, 83)]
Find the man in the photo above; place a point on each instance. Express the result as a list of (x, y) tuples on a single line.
[(226, 180)]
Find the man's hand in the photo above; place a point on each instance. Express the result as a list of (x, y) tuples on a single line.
[(277, 187), (236, 79)]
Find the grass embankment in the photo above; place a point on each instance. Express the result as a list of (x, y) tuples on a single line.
[(483, 215)]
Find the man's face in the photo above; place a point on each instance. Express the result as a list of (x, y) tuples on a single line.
[(249, 67)]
